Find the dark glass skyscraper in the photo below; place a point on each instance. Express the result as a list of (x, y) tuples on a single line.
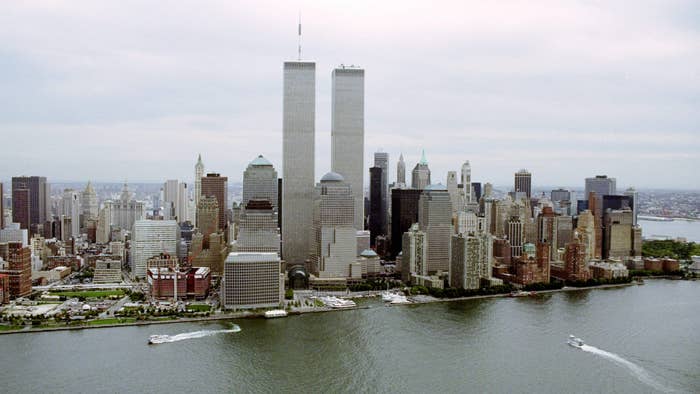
[(404, 212)]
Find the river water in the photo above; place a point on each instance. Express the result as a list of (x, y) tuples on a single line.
[(690, 230), (638, 339)]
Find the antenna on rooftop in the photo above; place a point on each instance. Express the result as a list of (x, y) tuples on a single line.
[(299, 48)]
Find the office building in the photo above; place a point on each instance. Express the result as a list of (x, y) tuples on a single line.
[(377, 211), (258, 228), (633, 196), (381, 160), (151, 238), (348, 132), (435, 218), (470, 260), (516, 236), (476, 191), (401, 171), (208, 215), (89, 206), (421, 174), (215, 185), (252, 280), (33, 206), (404, 213), (70, 214), (124, 212), (523, 182), (453, 191), (198, 174), (19, 270), (601, 185), (334, 244), (560, 194), (413, 254), (298, 133), (260, 182), (466, 181)]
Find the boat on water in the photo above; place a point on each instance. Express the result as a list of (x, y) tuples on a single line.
[(388, 296), (575, 341), (521, 293), (156, 339), (275, 313), (399, 299), (338, 303)]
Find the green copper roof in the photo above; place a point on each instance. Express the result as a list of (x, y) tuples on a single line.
[(422, 158), (260, 161)]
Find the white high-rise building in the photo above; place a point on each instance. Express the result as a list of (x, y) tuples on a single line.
[(151, 238), (175, 200), (198, 174), (335, 243), (453, 191), (260, 182), (348, 132), (298, 129)]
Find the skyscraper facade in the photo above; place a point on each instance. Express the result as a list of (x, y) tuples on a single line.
[(377, 215), (348, 132), (70, 209), (298, 134), (404, 213), (151, 238), (39, 203), (523, 182), (467, 182), (334, 244), (601, 185), (89, 204), (435, 218), (381, 160), (258, 228), (123, 213), (208, 215), (400, 171), (260, 182), (215, 185), (421, 174)]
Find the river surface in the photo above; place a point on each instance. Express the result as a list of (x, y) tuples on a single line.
[(678, 228), (639, 339)]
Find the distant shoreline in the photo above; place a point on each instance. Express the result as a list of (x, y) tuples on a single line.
[(254, 315)]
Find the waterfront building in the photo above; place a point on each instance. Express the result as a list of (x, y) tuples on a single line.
[(348, 132), (31, 202), (619, 241), (258, 230), (334, 243), (401, 171), (19, 270), (215, 185), (607, 269), (252, 280), (421, 174), (151, 238), (533, 266), (298, 134), (523, 182), (192, 282), (575, 266), (471, 259), (404, 212), (435, 219), (413, 254)]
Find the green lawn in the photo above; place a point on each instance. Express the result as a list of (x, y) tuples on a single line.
[(111, 321), (199, 308), (10, 328), (89, 293)]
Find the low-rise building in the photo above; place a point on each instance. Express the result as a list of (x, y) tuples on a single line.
[(608, 269), (52, 275), (107, 271), (192, 282)]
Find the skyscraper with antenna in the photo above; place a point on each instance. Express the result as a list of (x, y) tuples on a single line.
[(298, 136)]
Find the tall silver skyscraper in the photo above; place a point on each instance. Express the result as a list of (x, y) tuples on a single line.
[(467, 182), (298, 128), (348, 132), (401, 171)]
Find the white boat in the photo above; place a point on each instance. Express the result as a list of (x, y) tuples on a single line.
[(275, 313), (338, 303), (399, 299), (388, 296), (574, 341), (155, 339)]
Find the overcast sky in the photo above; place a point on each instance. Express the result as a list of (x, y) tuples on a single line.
[(135, 89)]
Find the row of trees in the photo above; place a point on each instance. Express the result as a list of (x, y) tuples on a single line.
[(670, 248)]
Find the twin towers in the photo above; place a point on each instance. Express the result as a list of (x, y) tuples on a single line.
[(298, 130)]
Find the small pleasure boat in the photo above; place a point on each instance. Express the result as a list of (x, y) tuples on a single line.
[(574, 341)]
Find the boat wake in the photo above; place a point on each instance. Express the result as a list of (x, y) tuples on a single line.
[(158, 339), (637, 371)]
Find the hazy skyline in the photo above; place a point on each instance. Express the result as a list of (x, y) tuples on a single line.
[(568, 90)]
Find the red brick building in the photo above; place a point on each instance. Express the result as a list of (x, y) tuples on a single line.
[(192, 282), (575, 265), (19, 270)]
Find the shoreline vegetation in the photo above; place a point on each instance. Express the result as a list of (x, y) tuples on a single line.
[(122, 322)]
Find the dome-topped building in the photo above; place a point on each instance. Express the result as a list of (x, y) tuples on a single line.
[(332, 177), (260, 182)]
